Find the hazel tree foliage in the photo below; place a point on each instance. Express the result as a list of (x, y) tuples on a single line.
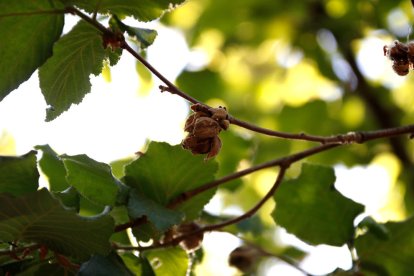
[(281, 97)]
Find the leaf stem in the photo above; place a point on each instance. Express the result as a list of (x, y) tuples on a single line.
[(89, 20), (170, 86)]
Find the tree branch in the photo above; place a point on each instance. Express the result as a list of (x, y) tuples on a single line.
[(235, 220), (284, 162)]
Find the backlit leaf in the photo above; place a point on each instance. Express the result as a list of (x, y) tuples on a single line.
[(26, 40), (143, 37), (143, 10), (18, 175), (52, 166), (92, 179), (165, 261), (312, 209), (64, 78)]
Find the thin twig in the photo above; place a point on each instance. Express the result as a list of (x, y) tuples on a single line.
[(281, 257), (235, 220), (19, 249), (89, 20), (171, 87), (284, 161), (351, 137)]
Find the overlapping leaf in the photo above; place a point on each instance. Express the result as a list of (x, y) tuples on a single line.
[(166, 261), (100, 265), (18, 175), (163, 218), (52, 166), (389, 255), (26, 41), (143, 10), (312, 209), (64, 78), (40, 218), (143, 37), (165, 171), (92, 179)]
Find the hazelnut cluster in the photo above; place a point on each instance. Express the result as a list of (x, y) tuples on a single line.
[(203, 127), (402, 55)]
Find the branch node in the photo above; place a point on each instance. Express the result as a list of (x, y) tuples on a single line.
[(164, 89)]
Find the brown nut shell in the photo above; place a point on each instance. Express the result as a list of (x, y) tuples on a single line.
[(206, 128), (215, 147), (196, 145)]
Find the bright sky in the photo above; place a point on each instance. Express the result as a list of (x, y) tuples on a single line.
[(114, 120)]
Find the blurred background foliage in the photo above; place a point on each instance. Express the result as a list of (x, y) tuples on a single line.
[(300, 66)]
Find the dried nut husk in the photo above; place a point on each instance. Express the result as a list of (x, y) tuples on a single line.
[(193, 242), (199, 107), (196, 145), (244, 258), (206, 127), (224, 124), (219, 113), (215, 147), (190, 122), (411, 52)]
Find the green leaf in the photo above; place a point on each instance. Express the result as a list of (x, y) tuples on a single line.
[(64, 78), (26, 40), (143, 37), (140, 266), (379, 230), (395, 255), (38, 217), (19, 175), (147, 231), (203, 85), (163, 218), (52, 166), (142, 10), (312, 209), (118, 166), (164, 261), (109, 265), (70, 198), (165, 171), (92, 179)]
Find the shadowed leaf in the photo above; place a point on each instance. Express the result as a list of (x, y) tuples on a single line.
[(38, 217), (394, 253), (18, 175), (109, 265), (165, 171)]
